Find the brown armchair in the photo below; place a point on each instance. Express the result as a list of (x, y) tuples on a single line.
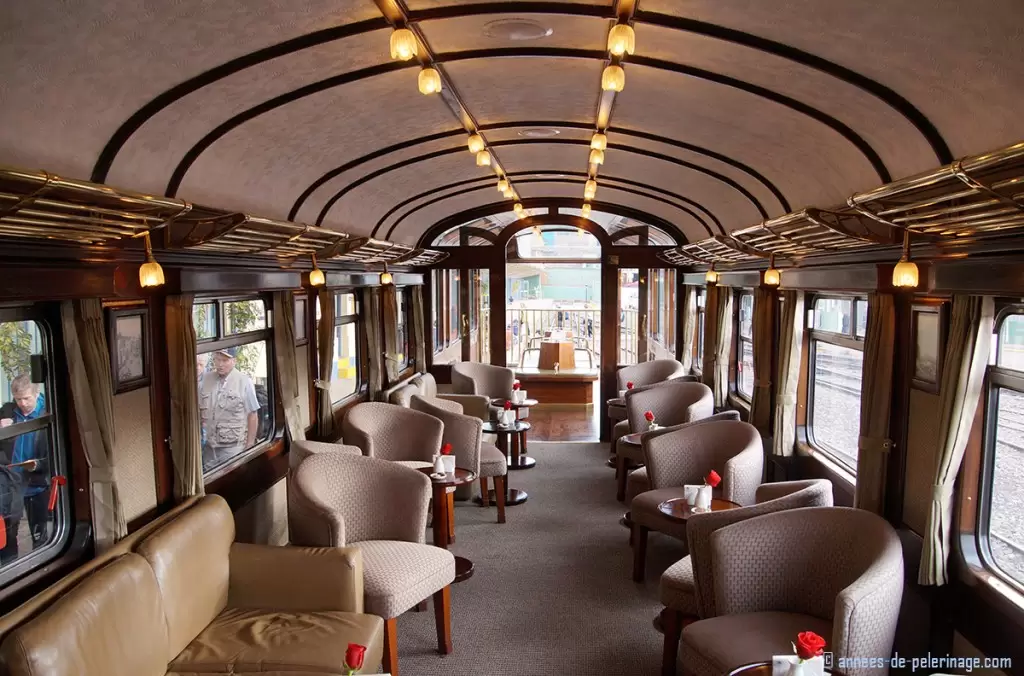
[(642, 374), (391, 432)]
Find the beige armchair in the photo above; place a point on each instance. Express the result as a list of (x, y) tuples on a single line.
[(483, 379), (465, 434), (643, 374), (685, 456), (675, 402), (835, 571), (393, 433), (687, 586), (379, 508)]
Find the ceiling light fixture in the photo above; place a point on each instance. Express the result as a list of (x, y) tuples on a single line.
[(476, 143), (483, 159), (520, 211), (503, 185), (316, 275), (772, 277), (590, 189), (508, 194), (150, 272), (597, 157), (579, 232), (621, 39), (711, 277), (386, 278), (429, 81), (585, 211), (404, 45), (536, 230), (905, 275), (599, 142), (613, 79)]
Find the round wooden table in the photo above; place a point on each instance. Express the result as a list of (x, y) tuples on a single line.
[(444, 520), (519, 458), (765, 669), (508, 443), (678, 510)]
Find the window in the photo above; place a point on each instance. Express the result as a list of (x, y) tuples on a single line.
[(745, 346), (33, 462), (697, 362), (234, 372), (436, 317), (1001, 515), (345, 369), (403, 330), (454, 326), (836, 362)]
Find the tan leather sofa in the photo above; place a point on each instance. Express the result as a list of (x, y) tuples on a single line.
[(183, 598)]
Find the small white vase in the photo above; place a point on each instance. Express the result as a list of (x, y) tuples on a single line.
[(796, 669), (703, 499), (653, 426), (438, 465)]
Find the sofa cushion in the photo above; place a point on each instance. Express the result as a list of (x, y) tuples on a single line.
[(492, 461), (718, 645), (398, 575), (112, 624), (241, 640), (677, 588), (190, 558)]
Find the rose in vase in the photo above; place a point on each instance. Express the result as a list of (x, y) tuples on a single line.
[(354, 656)]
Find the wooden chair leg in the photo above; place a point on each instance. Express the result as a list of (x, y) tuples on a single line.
[(391, 646), (443, 619), (451, 518), (485, 500), (499, 497), (672, 625), (620, 478), (421, 606), (639, 552)]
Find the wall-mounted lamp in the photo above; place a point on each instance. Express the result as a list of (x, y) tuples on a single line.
[(772, 277), (904, 275), (385, 277), (711, 277), (150, 272), (316, 275)]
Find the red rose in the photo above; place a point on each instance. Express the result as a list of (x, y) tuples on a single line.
[(808, 645), (649, 417), (508, 405), (629, 385), (354, 656), (713, 479), (446, 449), (515, 385)]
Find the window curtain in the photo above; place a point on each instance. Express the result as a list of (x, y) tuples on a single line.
[(791, 338), (325, 366), (963, 375), (419, 336), (875, 398), (710, 336), (389, 311), (723, 347), (688, 308), (186, 447), (763, 332), (284, 356), (372, 303), (85, 342)]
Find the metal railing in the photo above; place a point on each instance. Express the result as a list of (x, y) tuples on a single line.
[(525, 328)]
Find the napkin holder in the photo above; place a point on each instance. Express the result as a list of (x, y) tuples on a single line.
[(449, 464), (690, 493)]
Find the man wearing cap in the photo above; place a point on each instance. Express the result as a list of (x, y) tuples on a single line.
[(228, 408)]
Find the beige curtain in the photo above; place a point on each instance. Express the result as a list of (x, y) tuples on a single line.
[(963, 375), (419, 337), (875, 399), (389, 315), (325, 366), (85, 343), (688, 308), (710, 335), (374, 346), (764, 334), (723, 347), (186, 428), (791, 338), (287, 371)]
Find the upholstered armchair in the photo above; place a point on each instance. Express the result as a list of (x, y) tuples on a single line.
[(685, 456), (835, 571), (380, 508), (687, 586), (675, 402), (393, 433), (465, 434), (424, 385), (644, 373), (485, 379)]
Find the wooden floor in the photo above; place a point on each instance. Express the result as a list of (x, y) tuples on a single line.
[(564, 422)]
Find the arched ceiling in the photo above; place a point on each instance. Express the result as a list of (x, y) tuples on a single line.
[(733, 112)]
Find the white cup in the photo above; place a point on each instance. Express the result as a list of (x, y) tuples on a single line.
[(690, 493), (449, 463)]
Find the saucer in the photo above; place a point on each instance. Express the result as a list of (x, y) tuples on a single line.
[(435, 475)]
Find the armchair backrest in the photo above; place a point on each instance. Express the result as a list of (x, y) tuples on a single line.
[(686, 455), (342, 498), (391, 432), (673, 403), (835, 563), (463, 432), (426, 384), (778, 497), (486, 379), (648, 372)]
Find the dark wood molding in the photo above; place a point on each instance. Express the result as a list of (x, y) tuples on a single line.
[(745, 280), (253, 477), (194, 280), (160, 406), (833, 278), (609, 340)]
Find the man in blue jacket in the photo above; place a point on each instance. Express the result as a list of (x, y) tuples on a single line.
[(29, 454)]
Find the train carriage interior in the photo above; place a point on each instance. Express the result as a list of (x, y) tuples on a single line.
[(590, 337)]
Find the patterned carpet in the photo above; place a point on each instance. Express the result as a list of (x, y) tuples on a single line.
[(552, 592)]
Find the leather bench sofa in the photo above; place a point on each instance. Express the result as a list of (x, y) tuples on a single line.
[(182, 598)]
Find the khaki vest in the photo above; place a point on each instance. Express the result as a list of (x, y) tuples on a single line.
[(223, 413)]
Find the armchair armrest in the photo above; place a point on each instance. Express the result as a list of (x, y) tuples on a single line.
[(475, 405), (295, 578)]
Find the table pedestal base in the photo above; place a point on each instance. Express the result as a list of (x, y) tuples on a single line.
[(521, 462), (463, 569), (515, 497)]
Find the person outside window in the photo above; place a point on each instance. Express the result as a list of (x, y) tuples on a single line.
[(29, 455), (228, 409)]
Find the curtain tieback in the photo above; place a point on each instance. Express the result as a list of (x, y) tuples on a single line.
[(880, 444), (941, 492), (321, 384)]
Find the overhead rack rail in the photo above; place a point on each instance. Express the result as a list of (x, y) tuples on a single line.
[(38, 205), (978, 197)]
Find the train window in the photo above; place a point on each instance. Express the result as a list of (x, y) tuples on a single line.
[(33, 465), (436, 316), (233, 368), (454, 325), (1001, 526), (837, 358), (697, 363), (745, 346), (402, 331), (345, 372)]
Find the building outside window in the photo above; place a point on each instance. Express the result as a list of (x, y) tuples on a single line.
[(345, 365), (698, 359), (745, 346)]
